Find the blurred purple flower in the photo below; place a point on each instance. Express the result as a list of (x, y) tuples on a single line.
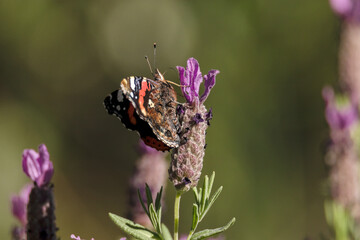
[(191, 77), (145, 149), (72, 236), (150, 169), (338, 118), (37, 166), (348, 9), (19, 204)]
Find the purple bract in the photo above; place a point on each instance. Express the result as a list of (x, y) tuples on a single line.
[(338, 118), (19, 204), (191, 78), (348, 9), (37, 166)]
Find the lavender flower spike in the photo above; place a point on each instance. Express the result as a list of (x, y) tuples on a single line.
[(37, 166), (19, 204), (187, 159)]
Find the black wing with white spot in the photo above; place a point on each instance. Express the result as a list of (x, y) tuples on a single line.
[(117, 104)]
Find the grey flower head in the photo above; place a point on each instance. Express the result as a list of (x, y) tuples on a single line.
[(187, 159)]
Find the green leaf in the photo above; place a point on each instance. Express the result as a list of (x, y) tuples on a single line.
[(200, 194), (133, 229), (158, 199), (159, 215), (204, 193), (195, 217), (211, 202), (211, 182), (211, 232), (142, 203), (196, 195), (148, 195), (154, 218), (166, 232)]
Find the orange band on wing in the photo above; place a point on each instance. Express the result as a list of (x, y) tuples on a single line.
[(144, 87)]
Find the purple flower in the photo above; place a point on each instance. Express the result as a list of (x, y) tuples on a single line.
[(37, 166), (348, 9), (72, 236), (197, 118), (338, 118), (191, 77), (19, 204)]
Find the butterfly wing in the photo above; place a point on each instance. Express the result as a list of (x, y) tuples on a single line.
[(155, 103), (117, 104)]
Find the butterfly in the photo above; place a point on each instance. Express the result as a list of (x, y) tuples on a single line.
[(148, 107)]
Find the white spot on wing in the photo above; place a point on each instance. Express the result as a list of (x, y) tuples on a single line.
[(132, 83), (151, 103)]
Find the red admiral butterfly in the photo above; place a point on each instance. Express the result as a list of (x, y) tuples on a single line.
[(149, 107)]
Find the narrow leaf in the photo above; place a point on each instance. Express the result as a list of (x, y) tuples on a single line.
[(195, 217), (211, 202), (166, 233), (211, 182), (200, 196), (142, 203), (148, 195), (159, 214), (196, 195), (133, 229), (204, 193), (158, 199), (211, 232), (154, 217)]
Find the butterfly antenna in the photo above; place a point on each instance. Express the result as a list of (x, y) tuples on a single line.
[(147, 60), (155, 55), (176, 84)]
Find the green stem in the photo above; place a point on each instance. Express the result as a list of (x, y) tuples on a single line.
[(192, 231), (177, 215), (190, 234)]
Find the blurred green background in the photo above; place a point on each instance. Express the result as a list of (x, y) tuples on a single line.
[(59, 59)]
